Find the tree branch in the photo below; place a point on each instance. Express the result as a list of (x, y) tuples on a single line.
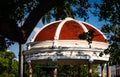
[(35, 16)]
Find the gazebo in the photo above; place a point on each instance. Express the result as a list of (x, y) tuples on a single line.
[(59, 43)]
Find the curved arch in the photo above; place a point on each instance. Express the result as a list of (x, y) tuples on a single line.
[(63, 22), (44, 28)]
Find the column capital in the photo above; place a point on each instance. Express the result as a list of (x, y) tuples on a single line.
[(91, 59)]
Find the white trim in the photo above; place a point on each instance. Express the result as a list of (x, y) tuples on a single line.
[(95, 29), (43, 28), (65, 56), (68, 43), (61, 49), (57, 34), (82, 25), (58, 30)]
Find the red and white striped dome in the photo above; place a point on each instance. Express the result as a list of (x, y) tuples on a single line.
[(67, 29)]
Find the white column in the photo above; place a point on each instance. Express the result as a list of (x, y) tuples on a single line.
[(90, 67), (55, 64), (30, 69), (102, 70), (108, 71), (55, 72)]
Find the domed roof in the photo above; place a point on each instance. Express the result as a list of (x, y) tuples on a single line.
[(60, 41), (67, 29)]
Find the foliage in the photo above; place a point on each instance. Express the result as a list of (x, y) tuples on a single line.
[(108, 11), (68, 8), (21, 9), (8, 66), (88, 36), (5, 43), (17, 10)]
